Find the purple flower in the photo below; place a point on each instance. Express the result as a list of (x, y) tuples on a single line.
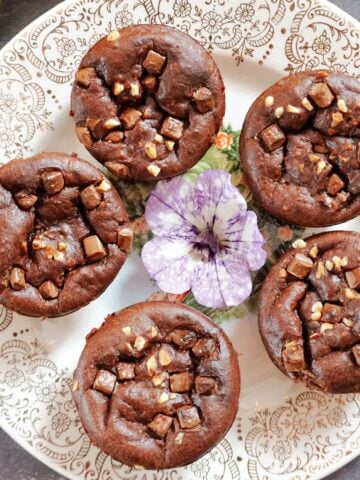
[(206, 239)]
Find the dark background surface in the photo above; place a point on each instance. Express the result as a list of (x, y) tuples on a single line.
[(15, 463)]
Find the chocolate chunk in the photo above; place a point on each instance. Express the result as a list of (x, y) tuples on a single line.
[(205, 347), (84, 136), (129, 117), (321, 94), (204, 100), (300, 266), (353, 278), (172, 128), (273, 137), (154, 62), (332, 313), (356, 353), (181, 382), (149, 83), (53, 182), (17, 278), (49, 290), (125, 239), (184, 338), (104, 382), (85, 75), (293, 356), (118, 169), (114, 137), (94, 248), (334, 185), (90, 197), (188, 417), (25, 200), (205, 385), (160, 425), (125, 371)]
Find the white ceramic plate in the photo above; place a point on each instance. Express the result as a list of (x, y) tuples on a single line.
[(282, 431)]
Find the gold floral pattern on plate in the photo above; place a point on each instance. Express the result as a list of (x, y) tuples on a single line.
[(301, 437)]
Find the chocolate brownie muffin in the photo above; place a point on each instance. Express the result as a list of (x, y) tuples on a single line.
[(300, 148), (157, 385), (64, 234), (309, 312), (147, 101)]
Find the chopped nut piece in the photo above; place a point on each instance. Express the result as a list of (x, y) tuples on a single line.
[(320, 166), (321, 94), (154, 62), (104, 186), (139, 343), (154, 332), (164, 358), (204, 347), (282, 273), (293, 356), (332, 313), (337, 262), (279, 112), (152, 365), (300, 266), (299, 243), (292, 109), (164, 397), (160, 379), (90, 197), (135, 89), (84, 76), (125, 239), (104, 382), (17, 278), (53, 182), (314, 252), (118, 88), (127, 331), (315, 316), (129, 117), (75, 385), (329, 265), (125, 371), (172, 128), (356, 352), (38, 243), (326, 326), (24, 247), (320, 271), (307, 104), (58, 256), (154, 170), (111, 123), (94, 248), (353, 278), (351, 294), (179, 438), (204, 100), (25, 200), (342, 105), (269, 101), (188, 416), (114, 137), (344, 261), (347, 322), (273, 137), (334, 185), (113, 36), (184, 338), (62, 246), (337, 118), (150, 150), (314, 158), (117, 169), (169, 144), (172, 396), (158, 138), (160, 425), (149, 83), (48, 290), (84, 136), (205, 385), (181, 382), (317, 307)]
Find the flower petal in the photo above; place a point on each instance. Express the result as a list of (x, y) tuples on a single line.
[(222, 282), (170, 263)]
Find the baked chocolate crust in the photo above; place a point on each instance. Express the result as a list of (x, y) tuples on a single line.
[(147, 101), (157, 385), (309, 312), (300, 148), (64, 234)]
